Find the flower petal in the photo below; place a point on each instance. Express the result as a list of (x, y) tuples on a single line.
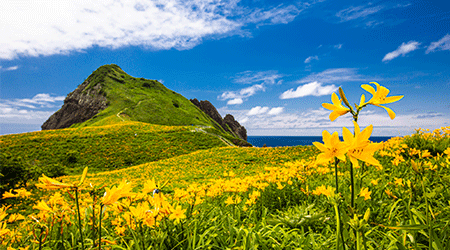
[(390, 112), (368, 88), (391, 99)]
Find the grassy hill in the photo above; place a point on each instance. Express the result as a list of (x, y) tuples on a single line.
[(139, 99), (102, 148)]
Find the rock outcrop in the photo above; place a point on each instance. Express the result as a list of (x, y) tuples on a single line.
[(228, 123), (234, 125), (80, 105)]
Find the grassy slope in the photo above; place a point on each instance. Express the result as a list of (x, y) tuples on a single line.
[(143, 100), (202, 166), (106, 147), (139, 99)]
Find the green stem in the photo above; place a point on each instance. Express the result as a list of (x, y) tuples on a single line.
[(79, 218), (338, 225), (336, 208), (100, 228), (336, 161), (352, 186), (430, 242), (358, 240)]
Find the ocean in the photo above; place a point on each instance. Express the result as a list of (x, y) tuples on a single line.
[(283, 141)]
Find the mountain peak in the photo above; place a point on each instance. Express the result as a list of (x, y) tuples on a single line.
[(110, 94)]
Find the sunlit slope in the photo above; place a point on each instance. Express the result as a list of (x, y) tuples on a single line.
[(105, 147), (139, 99), (202, 166)]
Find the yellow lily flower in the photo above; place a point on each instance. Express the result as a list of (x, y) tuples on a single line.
[(359, 146), (43, 207), (331, 148), (177, 214), (337, 107), (112, 195), (380, 97), (52, 184), (365, 193)]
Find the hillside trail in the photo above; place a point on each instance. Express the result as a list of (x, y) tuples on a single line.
[(199, 129)]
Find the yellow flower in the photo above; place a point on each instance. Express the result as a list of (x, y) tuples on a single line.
[(43, 207), (331, 148), (52, 184), (380, 97), (337, 107), (9, 194), (49, 183), (115, 193), (398, 181), (359, 146), (3, 229), (447, 151), (374, 182), (365, 193), (388, 192), (149, 186), (327, 191), (177, 214), (15, 217)]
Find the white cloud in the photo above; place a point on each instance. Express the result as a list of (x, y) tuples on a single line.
[(313, 89), (352, 13), (276, 111), (402, 50), (309, 59), (335, 75), (235, 101), (38, 101), (35, 28), (313, 122), (9, 68), (250, 77), (29, 110), (258, 110), (237, 97), (442, 44), (338, 46)]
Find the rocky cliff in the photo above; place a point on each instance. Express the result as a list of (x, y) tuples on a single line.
[(79, 106), (228, 123)]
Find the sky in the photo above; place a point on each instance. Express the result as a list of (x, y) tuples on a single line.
[(270, 64)]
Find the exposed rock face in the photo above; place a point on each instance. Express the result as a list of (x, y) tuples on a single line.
[(79, 106), (235, 127), (227, 123)]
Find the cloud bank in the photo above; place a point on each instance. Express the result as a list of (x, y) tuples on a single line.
[(42, 28), (29, 110)]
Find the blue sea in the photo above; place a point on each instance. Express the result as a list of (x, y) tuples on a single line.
[(283, 141)]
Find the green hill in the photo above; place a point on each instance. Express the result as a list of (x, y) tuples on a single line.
[(67, 151)]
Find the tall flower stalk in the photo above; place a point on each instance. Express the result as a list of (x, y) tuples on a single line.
[(356, 146)]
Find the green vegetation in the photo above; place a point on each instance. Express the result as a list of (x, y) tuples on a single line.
[(108, 147), (139, 99)]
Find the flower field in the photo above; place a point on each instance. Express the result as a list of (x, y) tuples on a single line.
[(351, 194)]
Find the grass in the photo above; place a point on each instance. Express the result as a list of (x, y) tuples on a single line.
[(247, 198), (106, 147), (139, 99)]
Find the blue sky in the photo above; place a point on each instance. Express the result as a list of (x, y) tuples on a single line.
[(271, 64)]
